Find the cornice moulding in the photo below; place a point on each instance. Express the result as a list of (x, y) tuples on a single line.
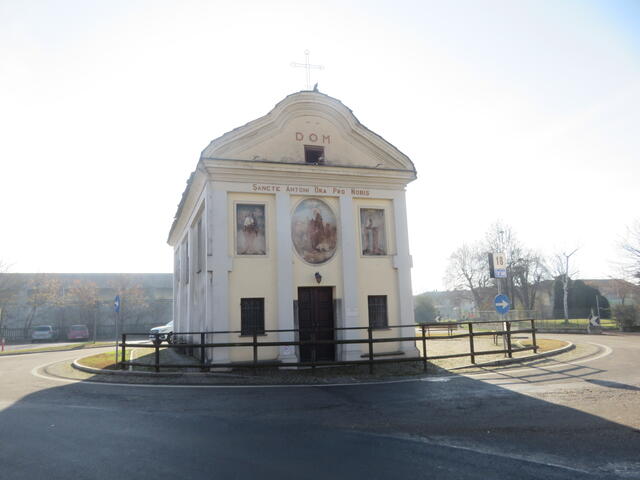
[(279, 173)]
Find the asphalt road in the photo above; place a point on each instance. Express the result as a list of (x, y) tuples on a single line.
[(556, 420)]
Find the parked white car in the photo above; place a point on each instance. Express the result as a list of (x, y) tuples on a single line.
[(162, 334), (43, 333)]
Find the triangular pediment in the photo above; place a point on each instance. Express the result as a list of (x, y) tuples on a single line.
[(309, 118)]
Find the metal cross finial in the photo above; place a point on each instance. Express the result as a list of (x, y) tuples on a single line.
[(308, 67)]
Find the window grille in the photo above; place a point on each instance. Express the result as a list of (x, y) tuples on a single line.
[(185, 263), (251, 316), (199, 247), (378, 311), (176, 265)]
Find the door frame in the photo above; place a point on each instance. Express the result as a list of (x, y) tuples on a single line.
[(331, 313)]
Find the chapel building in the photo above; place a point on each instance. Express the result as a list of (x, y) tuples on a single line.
[(293, 221)]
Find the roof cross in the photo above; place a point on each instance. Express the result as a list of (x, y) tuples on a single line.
[(308, 66)]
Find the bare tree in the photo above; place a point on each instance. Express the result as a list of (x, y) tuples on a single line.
[(9, 288), (467, 269), (630, 247), (501, 238), (43, 291), (527, 273), (564, 273), (526, 268), (84, 295), (133, 300)]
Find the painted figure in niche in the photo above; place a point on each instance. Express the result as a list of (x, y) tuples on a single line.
[(250, 230), (314, 231), (373, 231)]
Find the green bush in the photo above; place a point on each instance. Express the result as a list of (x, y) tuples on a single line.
[(625, 315), (424, 310)]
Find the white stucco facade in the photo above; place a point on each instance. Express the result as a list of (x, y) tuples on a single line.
[(259, 221)]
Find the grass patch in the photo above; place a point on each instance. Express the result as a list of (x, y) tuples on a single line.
[(107, 360), (103, 360), (545, 344), (59, 348)]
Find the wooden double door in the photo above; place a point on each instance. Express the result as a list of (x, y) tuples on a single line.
[(315, 319)]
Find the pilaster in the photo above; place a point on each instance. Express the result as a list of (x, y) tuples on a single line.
[(221, 265), (208, 217), (402, 264), (350, 313), (284, 254)]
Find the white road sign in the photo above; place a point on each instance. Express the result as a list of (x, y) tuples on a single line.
[(500, 265)]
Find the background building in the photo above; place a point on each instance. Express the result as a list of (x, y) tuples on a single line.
[(64, 299)]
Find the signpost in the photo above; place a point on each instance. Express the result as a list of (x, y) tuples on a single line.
[(498, 270), (503, 304), (116, 308)]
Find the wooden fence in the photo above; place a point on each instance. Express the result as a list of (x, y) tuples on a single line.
[(204, 346)]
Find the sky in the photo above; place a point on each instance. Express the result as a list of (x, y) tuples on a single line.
[(527, 112)]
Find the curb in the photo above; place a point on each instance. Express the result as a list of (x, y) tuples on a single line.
[(569, 331), (83, 368), (18, 352), (509, 361)]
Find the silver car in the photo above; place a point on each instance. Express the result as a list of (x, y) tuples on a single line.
[(43, 333), (162, 334)]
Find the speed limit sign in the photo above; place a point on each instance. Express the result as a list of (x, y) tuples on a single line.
[(497, 265)]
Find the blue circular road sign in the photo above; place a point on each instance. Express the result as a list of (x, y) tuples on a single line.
[(502, 303)]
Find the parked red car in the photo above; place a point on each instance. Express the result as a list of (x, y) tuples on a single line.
[(78, 332)]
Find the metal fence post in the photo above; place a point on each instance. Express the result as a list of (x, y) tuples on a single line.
[(124, 357), (370, 334), (211, 348), (255, 351), (472, 351), (533, 336), (313, 349), (202, 358), (424, 349), (509, 350), (157, 355)]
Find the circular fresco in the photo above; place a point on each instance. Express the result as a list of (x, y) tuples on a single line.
[(314, 231)]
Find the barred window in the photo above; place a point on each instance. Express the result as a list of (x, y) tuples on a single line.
[(199, 246), (378, 311), (251, 316), (185, 258), (176, 265)]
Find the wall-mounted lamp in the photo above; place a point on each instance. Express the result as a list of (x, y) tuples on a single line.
[(318, 277)]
